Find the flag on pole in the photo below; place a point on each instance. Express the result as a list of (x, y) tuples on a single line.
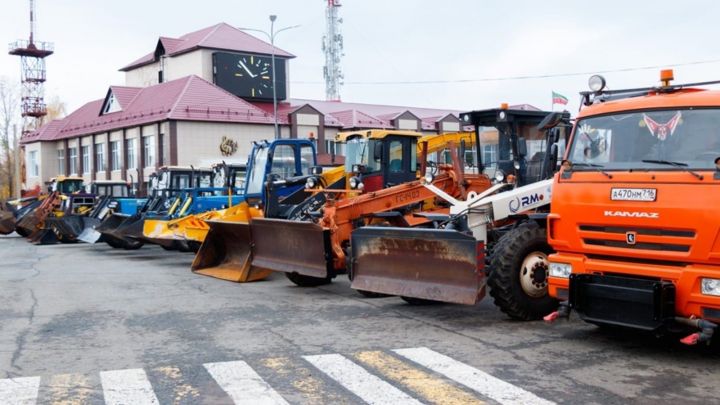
[(558, 98)]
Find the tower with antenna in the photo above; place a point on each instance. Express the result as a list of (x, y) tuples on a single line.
[(32, 55), (333, 49)]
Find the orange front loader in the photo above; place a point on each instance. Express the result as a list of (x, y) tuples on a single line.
[(634, 215)]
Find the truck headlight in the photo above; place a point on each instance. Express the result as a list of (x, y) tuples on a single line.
[(311, 182), (560, 270), (499, 176), (429, 178), (710, 286)]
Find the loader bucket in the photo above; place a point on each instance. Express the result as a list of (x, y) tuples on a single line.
[(66, 228), (88, 233), (291, 247), (7, 222), (225, 253), (432, 264), (43, 236), (111, 223)]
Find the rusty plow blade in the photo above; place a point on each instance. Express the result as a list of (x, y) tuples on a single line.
[(225, 253), (432, 264), (7, 222), (291, 247)]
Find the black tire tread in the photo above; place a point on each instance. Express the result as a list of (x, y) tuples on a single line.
[(503, 278), (308, 281)]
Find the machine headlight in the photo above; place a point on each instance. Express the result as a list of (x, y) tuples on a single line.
[(311, 182), (710, 286), (429, 178), (596, 83), (499, 176), (560, 270), (356, 183)]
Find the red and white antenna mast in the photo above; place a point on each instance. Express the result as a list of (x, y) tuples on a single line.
[(33, 74), (333, 48)]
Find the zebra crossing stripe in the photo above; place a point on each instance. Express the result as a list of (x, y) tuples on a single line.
[(357, 380), (433, 389), (243, 384), (123, 387), (19, 391), (485, 384)]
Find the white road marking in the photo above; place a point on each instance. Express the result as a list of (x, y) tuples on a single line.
[(485, 384), (357, 380), (19, 391), (127, 387), (243, 384)]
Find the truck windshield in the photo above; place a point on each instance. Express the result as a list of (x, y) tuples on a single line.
[(256, 172), (70, 186), (359, 151), (673, 139)]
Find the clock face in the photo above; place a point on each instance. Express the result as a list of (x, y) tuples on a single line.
[(249, 76)]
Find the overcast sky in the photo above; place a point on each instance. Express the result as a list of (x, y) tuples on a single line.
[(460, 42)]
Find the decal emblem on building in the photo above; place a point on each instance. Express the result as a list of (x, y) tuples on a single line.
[(228, 147)]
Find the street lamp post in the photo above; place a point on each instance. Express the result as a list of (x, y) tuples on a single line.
[(271, 37)]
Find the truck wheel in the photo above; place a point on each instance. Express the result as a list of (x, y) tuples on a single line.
[(518, 273), (308, 281), (114, 243)]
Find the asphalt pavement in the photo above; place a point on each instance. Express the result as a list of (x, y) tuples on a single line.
[(92, 324)]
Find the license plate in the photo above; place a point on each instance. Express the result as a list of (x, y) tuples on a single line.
[(633, 194)]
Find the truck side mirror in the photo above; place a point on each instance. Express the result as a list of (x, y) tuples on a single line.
[(522, 147), (378, 151), (554, 135), (551, 120)]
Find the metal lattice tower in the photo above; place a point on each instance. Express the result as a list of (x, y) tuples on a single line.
[(33, 74), (333, 48)]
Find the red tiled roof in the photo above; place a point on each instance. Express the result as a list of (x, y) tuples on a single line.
[(124, 95), (190, 99), (219, 36), (358, 119)]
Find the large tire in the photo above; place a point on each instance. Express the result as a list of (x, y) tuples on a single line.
[(308, 281), (518, 273), (22, 232), (132, 244), (114, 243)]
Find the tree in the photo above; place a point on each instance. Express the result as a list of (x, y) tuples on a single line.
[(9, 123)]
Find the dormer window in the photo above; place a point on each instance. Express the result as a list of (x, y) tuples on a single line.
[(111, 105)]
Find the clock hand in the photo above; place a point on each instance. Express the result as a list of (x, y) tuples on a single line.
[(247, 70)]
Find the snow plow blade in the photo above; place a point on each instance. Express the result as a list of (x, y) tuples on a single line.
[(432, 264), (89, 233), (7, 222), (225, 253), (291, 247)]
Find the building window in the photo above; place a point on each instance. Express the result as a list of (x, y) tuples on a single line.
[(115, 155), (86, 158), (100, 157), (73, 161), (61, 161), (149, 147), (33, 164), (130, 148)]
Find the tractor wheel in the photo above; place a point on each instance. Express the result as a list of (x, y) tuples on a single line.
[(518, 273), (420, 301), (22, 232), (132, 244), (114, 243), (308, 281)]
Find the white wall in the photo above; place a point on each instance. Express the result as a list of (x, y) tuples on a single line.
[(47, 163), (143, 76), (198, 143)]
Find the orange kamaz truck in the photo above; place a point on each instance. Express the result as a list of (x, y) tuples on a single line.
[(635, 218)]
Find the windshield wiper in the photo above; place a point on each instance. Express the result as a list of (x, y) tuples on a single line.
[(674, 164), (596, 166)]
